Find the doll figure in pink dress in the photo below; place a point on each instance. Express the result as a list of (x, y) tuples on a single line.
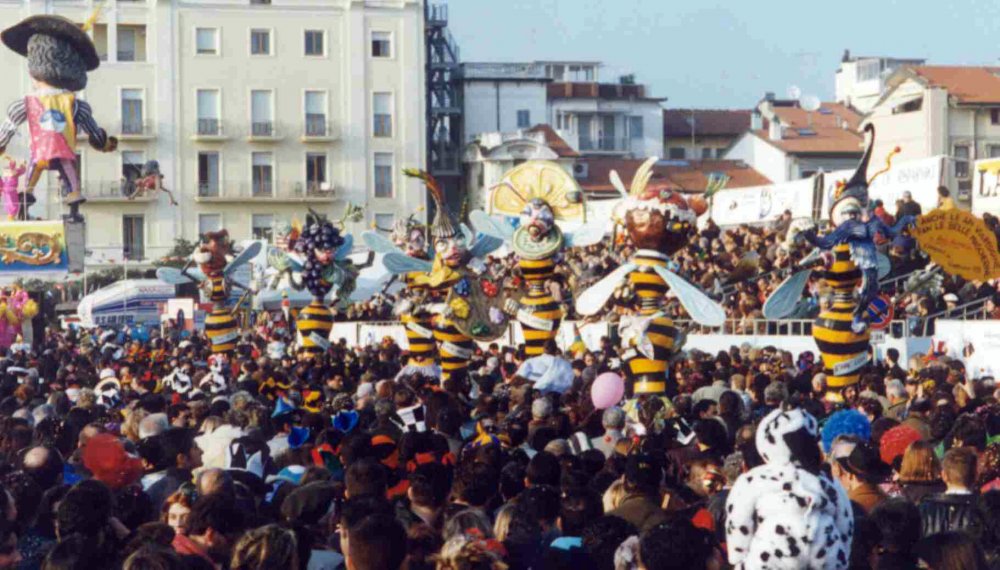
[(9, 182)]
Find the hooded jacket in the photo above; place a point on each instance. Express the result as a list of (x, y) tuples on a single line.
[(782, 516)]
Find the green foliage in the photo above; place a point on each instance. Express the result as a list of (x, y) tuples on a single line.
[(177, 256)]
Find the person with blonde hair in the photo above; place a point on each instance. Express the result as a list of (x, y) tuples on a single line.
[(614, 495), (270, 546), (464, 552)]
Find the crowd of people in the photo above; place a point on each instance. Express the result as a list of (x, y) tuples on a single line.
[(337, 462), (740, 267)]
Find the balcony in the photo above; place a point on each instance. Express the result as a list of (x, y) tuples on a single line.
[(136, 130), (605, 144), (264, 131), (277, 192), (104, 192), (318, 129), (209, 130)]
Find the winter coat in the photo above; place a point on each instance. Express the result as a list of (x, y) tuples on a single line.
[(781, 516)]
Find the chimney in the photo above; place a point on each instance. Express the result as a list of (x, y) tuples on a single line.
[(756, 120), (769, 96), (775, 130)]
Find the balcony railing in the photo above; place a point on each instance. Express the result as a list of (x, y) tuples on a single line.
[(103, 191), (136, 129), (316, 126), (126, 55), (209, 127), (503, 71), (281, 191), (262, 129), (605, 144)]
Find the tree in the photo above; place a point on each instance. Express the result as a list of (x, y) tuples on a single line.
[(177, 256)]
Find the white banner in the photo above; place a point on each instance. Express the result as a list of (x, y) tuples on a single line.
[(919, 177), (986, 187), (972, 342), (758, 204)]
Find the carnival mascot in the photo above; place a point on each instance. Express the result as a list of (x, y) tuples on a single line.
[(463, 296), (788, 513), (531, 198), (60, 54), (850, 262), (659, 222), (215, 269), (15, 307), (408, 237)]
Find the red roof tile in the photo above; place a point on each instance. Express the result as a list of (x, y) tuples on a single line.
[(970, 85), (565, 90), (555, 142), (707, 122), (835, 129), (687, 176)]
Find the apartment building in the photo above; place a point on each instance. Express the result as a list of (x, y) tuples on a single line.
[(255, 112), (705, 134), (860, 80)]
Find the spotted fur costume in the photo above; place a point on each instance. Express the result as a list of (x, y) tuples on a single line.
[(781, 516)]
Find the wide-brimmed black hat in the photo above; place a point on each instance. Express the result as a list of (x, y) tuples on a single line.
[(16, 37), (865, 463)]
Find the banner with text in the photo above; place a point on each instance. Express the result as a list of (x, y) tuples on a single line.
[(759, 204), (986, 187), (920, 178)]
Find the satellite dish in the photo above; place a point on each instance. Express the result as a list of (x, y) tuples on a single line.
[(809, 103), (794, 92)]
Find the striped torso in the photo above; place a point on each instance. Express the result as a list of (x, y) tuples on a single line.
[(221, 330), (218, 289), (419, 325), (539, 304), (649, 375), (836, 342), (455, 348), (317, 319)]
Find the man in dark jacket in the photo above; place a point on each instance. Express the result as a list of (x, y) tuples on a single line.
[(641, 506), (955, 509)]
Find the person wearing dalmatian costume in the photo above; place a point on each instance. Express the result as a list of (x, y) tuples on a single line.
[(788, 513)]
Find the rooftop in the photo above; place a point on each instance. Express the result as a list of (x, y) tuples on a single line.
[(968, 85), (707, 122), (566, 90), (681, 175), (554, 141), (833, 129), (504, 70)]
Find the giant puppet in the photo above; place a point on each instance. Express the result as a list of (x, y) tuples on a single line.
[(460, 293), (215, 272), (530, 199), (659, 222), (60, 54)]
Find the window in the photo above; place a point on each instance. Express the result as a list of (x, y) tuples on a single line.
[(209, 223), (315, 172), (133, 244), (208, 174), (995, 116), (132, 164), (315, 113), (961, 161), (315, 44), (382, 114), (260, 2), (262, 226), (261, 112), (523, 119), (263, 174), (635, 125), (384, 222), (131, 43), (677, 153), (706, 153), (208, 112), (206, 41), (993, 151), (719, 152), (260, 42), (383, 175), (132, 111), (910, 106), (381, 44)]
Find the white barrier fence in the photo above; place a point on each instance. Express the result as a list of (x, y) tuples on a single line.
[(793, 336)]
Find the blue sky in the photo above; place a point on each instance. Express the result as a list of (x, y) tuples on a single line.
[(716, 54)]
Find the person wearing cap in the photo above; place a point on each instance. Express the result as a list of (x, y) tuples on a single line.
[(861, 474), (641, 506), (60, 54)]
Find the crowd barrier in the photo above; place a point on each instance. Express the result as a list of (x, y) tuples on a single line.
[(794, 336)]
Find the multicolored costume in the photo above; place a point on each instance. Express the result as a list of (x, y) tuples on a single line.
[(8, 186)]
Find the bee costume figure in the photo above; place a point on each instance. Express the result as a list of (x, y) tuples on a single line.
[(60, 54)]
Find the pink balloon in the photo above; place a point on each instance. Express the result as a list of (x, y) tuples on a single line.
[(607, 390)]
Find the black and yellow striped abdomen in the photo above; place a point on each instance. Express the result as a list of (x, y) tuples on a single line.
[(454, 347), (420, 337), (646, 283), (837, 342), (218, 291), (317, 319), (221, 330), (538, 303), (649, 375)]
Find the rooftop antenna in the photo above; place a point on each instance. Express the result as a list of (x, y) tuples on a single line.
[(810, 104), (794, 92)]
